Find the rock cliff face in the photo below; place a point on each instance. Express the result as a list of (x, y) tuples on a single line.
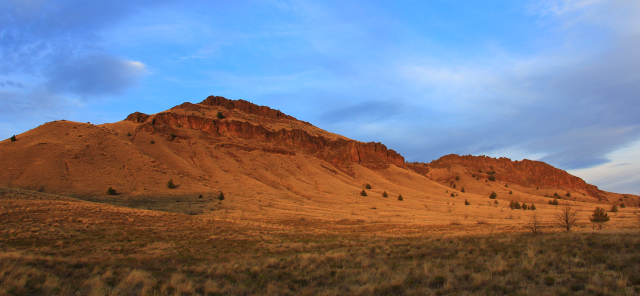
[(339, 152), (525, 173), (246, 107)]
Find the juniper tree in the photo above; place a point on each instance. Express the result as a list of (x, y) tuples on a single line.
[(493, 195), (363, 193), (221, 196), (400, 198), (170, 184), (384, 194), (599, 217)]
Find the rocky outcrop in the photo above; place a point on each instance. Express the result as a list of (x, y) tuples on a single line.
[(137, 117), (246, 107), (339, 152), (528, 173)]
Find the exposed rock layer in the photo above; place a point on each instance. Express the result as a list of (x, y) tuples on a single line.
[(339, 152), (527, 173)]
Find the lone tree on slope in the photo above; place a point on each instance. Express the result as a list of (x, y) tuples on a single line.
[(599, 217), (566, 218)]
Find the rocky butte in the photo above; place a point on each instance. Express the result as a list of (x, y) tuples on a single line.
[(253, 153)]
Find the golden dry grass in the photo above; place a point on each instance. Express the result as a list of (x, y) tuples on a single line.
[(52, 245)]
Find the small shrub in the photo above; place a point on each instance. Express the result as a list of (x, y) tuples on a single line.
[(457, 178), (525, 206), (221, 196), (128, 134), (363, 193), (220, 115), (200, 196), (400, 198), (466, 202), (549, 280), (384, 194), (614, 209), (437, 282), (532, 207), (453, 194), (493, 195), (622, 205), (152, 142), (462, 190), (13, 138), (473, 175), (170, 184), (506, 185), (516, 205), (510, 192), (367, 186), (554, 202), (492, 178), (568, 194), (111, 191), (556, 195), (495, 202)]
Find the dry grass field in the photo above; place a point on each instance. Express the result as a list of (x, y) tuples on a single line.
[(53, 245)]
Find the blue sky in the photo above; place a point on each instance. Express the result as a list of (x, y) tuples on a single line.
[(551, 80)]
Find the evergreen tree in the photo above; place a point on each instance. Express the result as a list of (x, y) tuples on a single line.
[(532, 207), (466, 203), (599, 217), (363, 193), (221, 196), (384, 194), (493, 195), (368, 186), (400, 198), (111, 191), (614, 209), (220, 115), (13, 138), (462, 190), (170, 184)]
